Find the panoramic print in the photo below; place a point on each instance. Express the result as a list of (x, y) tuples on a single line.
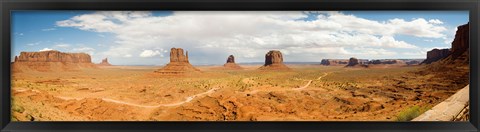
[(239, 65)]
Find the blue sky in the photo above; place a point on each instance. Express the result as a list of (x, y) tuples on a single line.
[(144, 38)]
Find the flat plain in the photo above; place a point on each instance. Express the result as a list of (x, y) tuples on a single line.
[(305, 93)]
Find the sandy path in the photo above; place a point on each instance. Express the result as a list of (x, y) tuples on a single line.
[(188, 99), (292, 89)]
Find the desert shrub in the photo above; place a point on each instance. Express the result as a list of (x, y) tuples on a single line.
[(411, 112)]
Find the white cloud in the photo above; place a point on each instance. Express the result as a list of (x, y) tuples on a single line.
[(435, 21), (49, 29), (150, 53), (33, 44), (88, 50), (46, 49), (62, 45), (251, 34)]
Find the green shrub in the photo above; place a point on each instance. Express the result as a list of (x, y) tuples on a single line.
[(411, 112)]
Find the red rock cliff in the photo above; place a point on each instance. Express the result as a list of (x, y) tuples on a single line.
[(46, 61), (54, 56), (460, 43)]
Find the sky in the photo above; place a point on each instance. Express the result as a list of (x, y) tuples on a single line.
[(146, 37)]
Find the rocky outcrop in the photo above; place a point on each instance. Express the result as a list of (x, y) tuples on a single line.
[(334, 62), (274, 61), (231, 63), (53, 60), (435, 55), (105, 63), (179, 64)]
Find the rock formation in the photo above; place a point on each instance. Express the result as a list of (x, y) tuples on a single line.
[(391, 62), (460, 44), (179, 63), (352, 61), (105, 63), (413, 62), (54, 56), (435, 55), (333, 62), (274, 61), (231, 63), (52, 61), (458, 54)]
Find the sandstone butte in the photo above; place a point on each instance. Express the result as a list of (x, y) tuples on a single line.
[(53, 60), (458, 54), (179, 63), (274, 61), (230, 64), (104, 63)]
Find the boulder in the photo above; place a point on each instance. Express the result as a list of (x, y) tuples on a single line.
[(274, 61)]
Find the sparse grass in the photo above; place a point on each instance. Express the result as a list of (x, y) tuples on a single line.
[(411, 112)]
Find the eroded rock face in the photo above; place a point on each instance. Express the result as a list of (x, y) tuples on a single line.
[(274, 61), (105, 62), (176, 55), (46, 61), (461, 41), (352, 61), (179, 63), (54, 56), (273, 57), (435, 55)]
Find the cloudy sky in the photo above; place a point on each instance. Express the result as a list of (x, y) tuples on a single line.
[(145, 38)]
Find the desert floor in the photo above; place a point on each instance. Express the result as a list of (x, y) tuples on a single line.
[(307, 92)]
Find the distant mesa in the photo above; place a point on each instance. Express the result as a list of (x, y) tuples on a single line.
[(53, 60), (104, 63), (231, 63), (354, 62), (334, 62), (179, 63), (387, 61), (414, 62), (274, 61)]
